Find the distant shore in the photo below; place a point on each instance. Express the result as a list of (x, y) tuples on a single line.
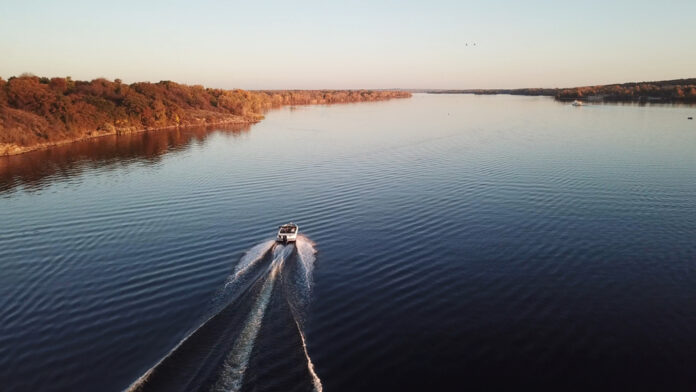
[(666, 91), (38, 112)]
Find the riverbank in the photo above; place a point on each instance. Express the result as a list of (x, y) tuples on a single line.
[(38, 113), (665, 91), (13, 149)]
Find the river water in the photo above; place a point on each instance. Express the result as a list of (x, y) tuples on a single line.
[(449, 242)]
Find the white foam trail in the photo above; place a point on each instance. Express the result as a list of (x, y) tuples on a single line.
[(251, 257), (306, 253), (143, 379), (238, 359), (310, 366)]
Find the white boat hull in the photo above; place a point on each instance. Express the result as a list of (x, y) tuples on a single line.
[(288, 233), (286, 238)]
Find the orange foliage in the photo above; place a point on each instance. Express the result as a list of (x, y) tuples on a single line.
[(36, 111)]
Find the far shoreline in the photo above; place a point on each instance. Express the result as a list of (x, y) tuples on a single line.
[(665, 91)]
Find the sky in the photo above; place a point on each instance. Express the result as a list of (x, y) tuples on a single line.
[(353, 44)]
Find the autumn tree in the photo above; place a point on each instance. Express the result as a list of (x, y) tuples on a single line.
[(36, 110)]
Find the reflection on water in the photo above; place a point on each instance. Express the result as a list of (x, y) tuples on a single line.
[(33, 170), (487, 242)]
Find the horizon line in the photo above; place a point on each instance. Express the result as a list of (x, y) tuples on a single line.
[(409, 89)]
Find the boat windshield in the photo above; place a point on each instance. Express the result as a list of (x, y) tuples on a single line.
[(288, 229)]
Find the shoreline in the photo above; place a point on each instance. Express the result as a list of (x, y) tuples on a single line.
[(39, 112), (7, 150), (663, 91), (638, 101)]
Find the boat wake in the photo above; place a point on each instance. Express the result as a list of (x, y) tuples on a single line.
[(259, 315)]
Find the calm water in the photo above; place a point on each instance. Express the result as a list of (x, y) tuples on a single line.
[(462, 242)]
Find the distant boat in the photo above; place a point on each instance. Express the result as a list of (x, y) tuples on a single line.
[(576, 103), (691, 118), (288, 233)]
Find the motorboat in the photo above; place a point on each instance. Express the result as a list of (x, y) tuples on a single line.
[(577, 103), (287, 233)]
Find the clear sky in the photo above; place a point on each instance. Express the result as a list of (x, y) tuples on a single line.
[(357, 44)]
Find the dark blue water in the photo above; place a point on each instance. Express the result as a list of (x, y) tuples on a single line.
[(463, 242)]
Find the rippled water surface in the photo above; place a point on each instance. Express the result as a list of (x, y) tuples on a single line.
[(461, 241)]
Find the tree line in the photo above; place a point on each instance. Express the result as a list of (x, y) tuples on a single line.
[(39, 110), (678, 90)]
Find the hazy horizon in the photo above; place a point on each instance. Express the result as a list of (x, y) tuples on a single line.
[(313, 45)]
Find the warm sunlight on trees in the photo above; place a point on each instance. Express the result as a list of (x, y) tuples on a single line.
[(36, 110)]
